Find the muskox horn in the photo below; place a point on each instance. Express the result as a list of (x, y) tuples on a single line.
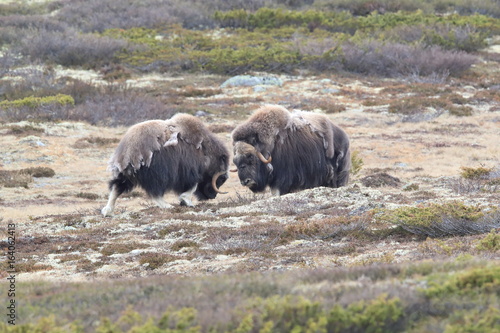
[(214, 182), (233, 170), (263, 159)]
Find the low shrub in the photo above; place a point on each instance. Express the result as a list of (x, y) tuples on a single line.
[(356, 163), (70, 48), (23, 177), (419, 105), (184, 244), (341, 21), (88, 195), (484, 320), (120, 248), (439, 220), (97, 16), (37, 108), (491, 242), (37, 102), (470, 283), (39, 172), (477, 179), (475, 173), (155, 260), (285, 50), (120, 106), (30, 81), (25, 130), (24, 8), (14, 178), (396, 59)]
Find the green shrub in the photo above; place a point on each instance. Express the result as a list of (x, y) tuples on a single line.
[(476, 321), (472, 282), (284, 48), (36, 102), (475, 173), (426, 215), (438, 220), (491, 242), (341, 21), (356, 163), (377, 316)]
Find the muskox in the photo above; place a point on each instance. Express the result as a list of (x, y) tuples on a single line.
[(290, 151), (179, 155)]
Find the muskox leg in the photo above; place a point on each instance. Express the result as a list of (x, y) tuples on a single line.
[(343, 169), (160, 202), (113, 195), (275, 192), (185, 198), (117, 186)]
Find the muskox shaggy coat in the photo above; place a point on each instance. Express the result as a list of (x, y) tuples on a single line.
[(290, 151), (179, 155)]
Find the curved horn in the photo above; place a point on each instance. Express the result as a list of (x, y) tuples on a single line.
[(233, 170), (263, 159), (214, 182)]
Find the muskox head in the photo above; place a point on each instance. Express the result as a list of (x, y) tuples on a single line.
[(263, 128), (208, 188), (254, 169), (217, 165)]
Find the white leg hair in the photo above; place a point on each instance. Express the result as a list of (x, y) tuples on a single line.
[(108, 209), (185, 198), (161, 203), (275, 192)]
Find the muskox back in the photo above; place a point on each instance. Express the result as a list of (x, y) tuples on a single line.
[(173, 168), (300, 163)]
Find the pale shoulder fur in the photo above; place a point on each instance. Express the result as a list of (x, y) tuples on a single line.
[(138, 144), (263, 126), (188, 128), (320, 125)]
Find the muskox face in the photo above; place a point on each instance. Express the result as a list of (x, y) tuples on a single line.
[(253, 173), (205, 190), (213, 179)]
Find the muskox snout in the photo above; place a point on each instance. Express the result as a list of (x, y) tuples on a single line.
[(246, 182)]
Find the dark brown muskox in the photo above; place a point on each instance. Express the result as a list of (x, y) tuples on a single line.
[(290, 151), (179, 155)]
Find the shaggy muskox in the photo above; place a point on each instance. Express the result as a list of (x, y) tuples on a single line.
[(290, 151), (179, 155)]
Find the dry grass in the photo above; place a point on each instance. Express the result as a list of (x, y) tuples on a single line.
[(120, 248), (95, 142), (24, 130), (155, 260), (15, 178)]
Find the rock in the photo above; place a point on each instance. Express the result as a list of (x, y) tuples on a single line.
[(259, 88), (201, 113), (330, 91), (250, 81)]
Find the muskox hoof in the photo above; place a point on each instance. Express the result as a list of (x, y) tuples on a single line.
[(186, 203), (161, 203), (107, 211)]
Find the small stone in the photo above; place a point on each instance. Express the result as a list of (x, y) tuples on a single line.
[(250, 81)]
